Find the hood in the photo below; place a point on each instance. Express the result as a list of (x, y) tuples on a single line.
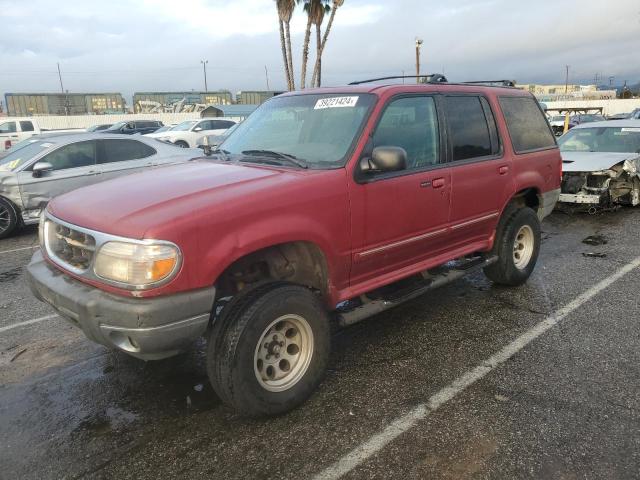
[(593, 161), (130, 205)]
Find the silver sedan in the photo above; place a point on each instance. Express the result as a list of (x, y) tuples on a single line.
[(46, 167)]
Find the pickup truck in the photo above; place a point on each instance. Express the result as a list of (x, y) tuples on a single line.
[(327, 205), (14, 130)]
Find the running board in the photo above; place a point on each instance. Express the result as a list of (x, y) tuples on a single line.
[(433, 278)]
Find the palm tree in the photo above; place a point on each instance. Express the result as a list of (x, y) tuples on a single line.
[(318, 10), (285, 11), (308, 8), (317, 69)]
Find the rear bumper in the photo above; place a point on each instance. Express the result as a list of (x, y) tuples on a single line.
[(147, 328)]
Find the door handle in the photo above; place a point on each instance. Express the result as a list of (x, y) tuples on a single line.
[(437, 183), (503, 170)]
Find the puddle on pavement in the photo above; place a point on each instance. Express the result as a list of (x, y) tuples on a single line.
[(107, 420)]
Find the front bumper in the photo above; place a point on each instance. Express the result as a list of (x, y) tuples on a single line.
[(580, 198), (147, 328)]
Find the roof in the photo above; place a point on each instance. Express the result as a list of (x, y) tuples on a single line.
[(383, 88), (611, 123), (238, 110)]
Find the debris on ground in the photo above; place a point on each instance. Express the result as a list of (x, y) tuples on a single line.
[(17, 354), (198, 387), (595, 240), (594, 254), (501, 398)]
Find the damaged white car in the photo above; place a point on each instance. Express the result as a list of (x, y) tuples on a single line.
[(601, 165)]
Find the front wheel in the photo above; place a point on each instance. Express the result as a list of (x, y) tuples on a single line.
[(8, 218), (269, 349), (182, 144), (517, 245)]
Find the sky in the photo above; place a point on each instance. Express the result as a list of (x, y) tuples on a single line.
[(157, 45)]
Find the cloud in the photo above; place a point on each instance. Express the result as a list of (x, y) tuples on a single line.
[(147, 45)]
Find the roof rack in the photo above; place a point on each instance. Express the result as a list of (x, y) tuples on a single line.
[(493, 83), (430, 78)]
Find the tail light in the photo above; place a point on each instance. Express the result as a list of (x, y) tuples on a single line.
[(7, 144)]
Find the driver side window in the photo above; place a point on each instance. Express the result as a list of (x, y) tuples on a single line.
[(81, 154), (411, 123)]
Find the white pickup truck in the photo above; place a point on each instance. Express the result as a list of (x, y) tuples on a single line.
[(14, 130)]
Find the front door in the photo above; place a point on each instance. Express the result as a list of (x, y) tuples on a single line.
[(73, 166), (400, 218)]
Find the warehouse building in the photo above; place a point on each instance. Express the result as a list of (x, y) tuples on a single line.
[(176, 102), (26, 104), (255, 97)]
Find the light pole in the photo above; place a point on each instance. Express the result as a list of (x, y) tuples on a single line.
[(204, 69), (418, 45)]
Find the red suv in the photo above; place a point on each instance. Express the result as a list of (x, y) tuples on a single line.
[(335, 203)]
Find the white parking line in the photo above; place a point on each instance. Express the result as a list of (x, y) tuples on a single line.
[(18, 249), (27, 322), (404, 423)]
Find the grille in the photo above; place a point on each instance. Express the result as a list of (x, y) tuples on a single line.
[(68, 247)]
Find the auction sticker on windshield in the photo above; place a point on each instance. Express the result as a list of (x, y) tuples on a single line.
[(336, 102)]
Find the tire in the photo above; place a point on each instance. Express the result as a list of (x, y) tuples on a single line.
[(517, 246), (182, 144), (268, 350), (9, 220)]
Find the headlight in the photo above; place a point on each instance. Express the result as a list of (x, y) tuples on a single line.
[(135, 264)]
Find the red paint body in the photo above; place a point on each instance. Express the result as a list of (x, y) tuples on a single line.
[(218, 212)]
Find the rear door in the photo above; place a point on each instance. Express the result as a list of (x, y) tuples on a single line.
[(74, 166), (481, 174), (400, 218), (123, 156)]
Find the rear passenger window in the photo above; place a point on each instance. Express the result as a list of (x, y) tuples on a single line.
[(123, 150), (526, 124), (468, 129), (26, 126), (411, 123)]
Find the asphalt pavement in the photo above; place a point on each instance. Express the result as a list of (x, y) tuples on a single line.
[(468, 381)]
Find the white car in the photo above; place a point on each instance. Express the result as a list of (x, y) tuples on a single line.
[(601, 164), (187, 133)]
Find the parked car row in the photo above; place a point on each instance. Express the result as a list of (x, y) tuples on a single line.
[(43, 167)]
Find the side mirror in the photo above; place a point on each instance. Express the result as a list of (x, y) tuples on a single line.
[(41, 168), (385, 159), (197, 129), (130, 126)]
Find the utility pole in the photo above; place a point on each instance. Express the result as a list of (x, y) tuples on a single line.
[(60, 77), (418, 45), (566, 80), (403, 77), (204, 69), (266, 74)]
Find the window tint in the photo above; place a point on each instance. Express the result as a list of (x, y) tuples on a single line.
[(526, 123), (468, 129), (411, 123), (123, 150), (7, 127), (206, 125), (220, 124), (26, 126), (81, 154)]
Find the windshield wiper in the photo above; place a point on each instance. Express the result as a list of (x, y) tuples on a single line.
[(279, 155)]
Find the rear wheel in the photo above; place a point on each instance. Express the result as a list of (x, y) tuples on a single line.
[(517, 245), (268, 351), (8, 218), (182, 144)]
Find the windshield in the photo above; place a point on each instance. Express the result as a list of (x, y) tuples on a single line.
[(181, 127), (601, 139), (117, 126), (22, 155), (557, 118), (164, 129), (318, 129)]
